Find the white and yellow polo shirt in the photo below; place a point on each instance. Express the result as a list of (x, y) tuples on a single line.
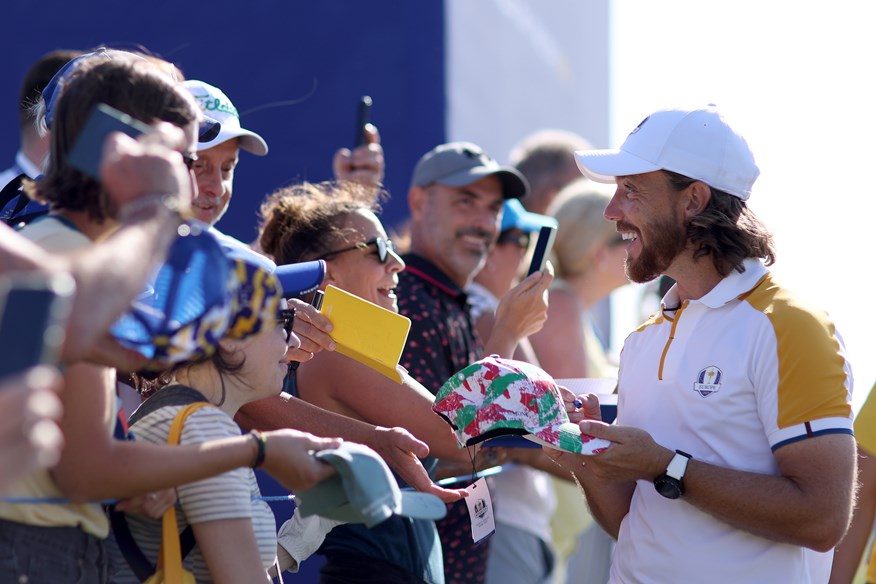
[(729, 378)]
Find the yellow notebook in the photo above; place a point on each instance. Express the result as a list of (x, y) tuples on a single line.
[(366, 332)]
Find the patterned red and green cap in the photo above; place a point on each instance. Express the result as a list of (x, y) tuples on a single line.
[(497, 397)]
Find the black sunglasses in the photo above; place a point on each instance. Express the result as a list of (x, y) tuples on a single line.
[(384, 247), (286, 317), (519, 239)]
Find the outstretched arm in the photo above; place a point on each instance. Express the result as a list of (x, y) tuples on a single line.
[(396, 446)]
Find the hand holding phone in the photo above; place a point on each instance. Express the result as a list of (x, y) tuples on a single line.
[(316, 302), (34, 308), (87, 151), (543, 245), (363, 117)]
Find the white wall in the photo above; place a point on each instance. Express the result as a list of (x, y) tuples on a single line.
[(796, 80), (516, 66)]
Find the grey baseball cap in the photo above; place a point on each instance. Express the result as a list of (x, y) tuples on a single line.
[(363, 490), (458, 164)]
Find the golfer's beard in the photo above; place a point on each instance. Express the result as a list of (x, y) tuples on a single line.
[(662, 244)]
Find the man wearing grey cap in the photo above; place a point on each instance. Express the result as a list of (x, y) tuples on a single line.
[(733, 459), (456, 199)]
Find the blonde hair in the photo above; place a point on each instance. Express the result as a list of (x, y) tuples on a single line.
[(579, 209)]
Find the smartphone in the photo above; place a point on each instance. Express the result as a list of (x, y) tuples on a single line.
[(34, 309), (543, 245), (88, 148), (363, 116), (316, 301)]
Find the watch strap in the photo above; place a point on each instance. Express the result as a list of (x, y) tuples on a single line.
[(678, 465)]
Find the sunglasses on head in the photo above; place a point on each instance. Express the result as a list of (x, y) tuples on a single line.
[(286, 317), (384, 247), (208, 129)]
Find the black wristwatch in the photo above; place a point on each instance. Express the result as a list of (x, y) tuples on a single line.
[(670, 484)]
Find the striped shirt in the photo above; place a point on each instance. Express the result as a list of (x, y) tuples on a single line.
[(231, 495)]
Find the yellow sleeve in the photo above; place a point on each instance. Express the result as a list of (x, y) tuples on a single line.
[(865, 424), (871, 567)]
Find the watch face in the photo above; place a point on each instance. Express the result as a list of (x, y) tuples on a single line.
[(668, 487)]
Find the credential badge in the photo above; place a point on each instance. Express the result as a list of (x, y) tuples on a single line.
[(708, 381)]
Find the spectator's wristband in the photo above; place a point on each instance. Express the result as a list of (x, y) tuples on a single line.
[(260, 448)]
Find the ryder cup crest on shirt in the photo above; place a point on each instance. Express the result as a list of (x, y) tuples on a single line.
[(697, 143), (495, 397), (708, 381)]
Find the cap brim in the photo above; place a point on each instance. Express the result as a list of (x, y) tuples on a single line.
[(301, 278), (249, 141), (421, 506), (568, 437), (605, 165), (514, 185), (532, 222)]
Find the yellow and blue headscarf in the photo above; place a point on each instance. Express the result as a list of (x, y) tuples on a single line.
[(197, 296)]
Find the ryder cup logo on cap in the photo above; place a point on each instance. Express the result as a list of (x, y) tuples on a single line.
[(496, 397), (696, 143), (216, 106), (459, 164)]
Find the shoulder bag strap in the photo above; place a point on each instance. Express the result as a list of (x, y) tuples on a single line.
[(170, 557)]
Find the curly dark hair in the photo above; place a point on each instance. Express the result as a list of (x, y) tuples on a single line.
[(727, 230), (304, 221), (135, 86)]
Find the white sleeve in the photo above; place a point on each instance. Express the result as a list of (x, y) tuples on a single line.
[(300, 537)]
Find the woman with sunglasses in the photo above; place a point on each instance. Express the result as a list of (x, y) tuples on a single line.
[(337, 223), (234, 530)]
